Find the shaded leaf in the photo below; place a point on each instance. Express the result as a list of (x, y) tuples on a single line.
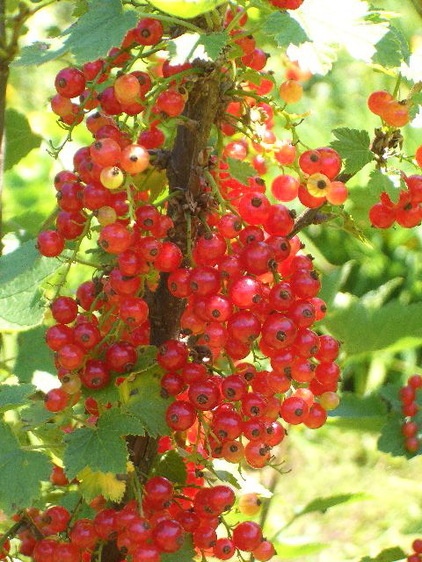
[(353, 147), (171, 466), (12, 396), (356, 407), (391, 438), (378, 183), (33, 355), (387, 555), (147, 404), (364, 329), (20, 139), (21, 472), (21, 272)]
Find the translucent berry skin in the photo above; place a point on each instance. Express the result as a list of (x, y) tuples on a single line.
[(70, 82), (247, 536)]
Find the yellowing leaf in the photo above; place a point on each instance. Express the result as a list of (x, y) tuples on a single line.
[(106, 484), (186, 8)]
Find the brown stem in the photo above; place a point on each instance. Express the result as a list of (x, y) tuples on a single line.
[(184, 171)]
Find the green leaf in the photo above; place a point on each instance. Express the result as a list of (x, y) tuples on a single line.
[(20, 139), (99, 29), (416, 104), (186, 8), (40, 52), (392, 49), (333, 281), (33, 354), (147, 404), (35, 415), (73, 500), (387, 555), (21, 472), (185, 554), (378, 183), (295, 549), (365, 329), (391, 438), (226, 476), (284, 29), (21, 272), (241, 171), (357, 407), (171, 466), (13, 396), (390, 393), (323, 504), (353, 147), (103, 447), (214, 43)]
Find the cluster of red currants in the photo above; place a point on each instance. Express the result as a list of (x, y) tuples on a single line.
[(393, 112), (410, 428), (246, 286), (167, 515), (407, 212)]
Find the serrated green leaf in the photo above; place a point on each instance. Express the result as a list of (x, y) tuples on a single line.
[(323, 504), (416, 104), (364, 329), (35, 415), (40, 52), (295, 549), (390, 393), (226, 476), (171, 466), (25, 267), (21, 472), (99, 29), (20, 139), (378, 183), (21, 272), (391, 438), (214, 43), (392, 50), (186, 8), (284, 29), (333, 281), (186, 553), (13, 396), (387, 555), (101, 448), (353, 147), (33, 355), (241, 171), (147, 404)]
